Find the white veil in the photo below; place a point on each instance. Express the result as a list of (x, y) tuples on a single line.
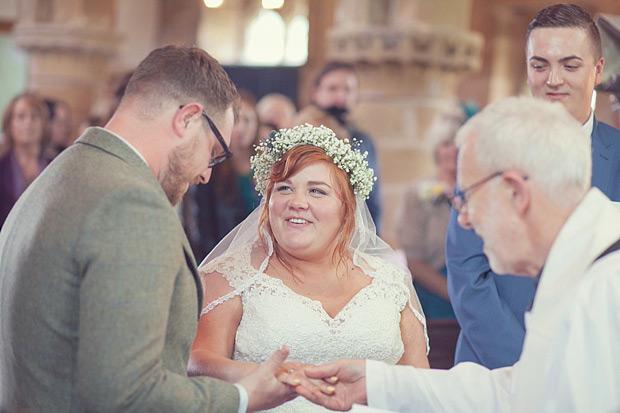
[(365, 247)]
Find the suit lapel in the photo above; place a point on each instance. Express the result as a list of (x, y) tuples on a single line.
[(105, 141), (191, 264), (601, 163)]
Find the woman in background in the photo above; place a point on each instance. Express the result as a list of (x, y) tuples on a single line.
[(422, 219), (230, 195), (24, 125)]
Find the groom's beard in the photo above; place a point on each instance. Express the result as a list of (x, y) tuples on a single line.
[(176, 176), (340, 114)]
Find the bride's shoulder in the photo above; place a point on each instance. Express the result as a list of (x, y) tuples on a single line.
[(379, 267), (234, 266)]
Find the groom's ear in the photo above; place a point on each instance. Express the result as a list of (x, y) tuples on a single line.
[(182, 119)]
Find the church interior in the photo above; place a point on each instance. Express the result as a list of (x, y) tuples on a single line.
[(414, 59)]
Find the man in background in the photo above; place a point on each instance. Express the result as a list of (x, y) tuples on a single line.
[(334, 96), (564, 63), (275, 111)]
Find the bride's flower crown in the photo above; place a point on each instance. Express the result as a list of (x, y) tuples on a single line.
[(347, 158)]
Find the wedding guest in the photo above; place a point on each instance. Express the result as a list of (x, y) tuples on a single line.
[(24, 125), (60, 127), (539, 218), (99, 289), (306, 269), (334, 96), (564, 62), (422, 218), (230, 196), (275, 111)]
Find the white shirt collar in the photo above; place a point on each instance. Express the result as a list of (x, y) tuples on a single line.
[(125, 142), (589, 125)]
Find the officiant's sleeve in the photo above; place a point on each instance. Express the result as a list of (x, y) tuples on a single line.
[(467, 387), (138, 311)]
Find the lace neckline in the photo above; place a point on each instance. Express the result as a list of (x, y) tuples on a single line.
[(316, 303)]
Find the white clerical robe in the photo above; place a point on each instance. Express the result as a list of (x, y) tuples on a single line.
[(571, 354)]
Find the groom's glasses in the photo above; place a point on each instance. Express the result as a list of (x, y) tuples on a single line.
[(217, 159)]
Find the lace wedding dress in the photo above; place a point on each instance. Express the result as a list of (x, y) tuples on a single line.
[(367, 327)]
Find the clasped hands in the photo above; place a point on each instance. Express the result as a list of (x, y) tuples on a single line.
[(336, 385)]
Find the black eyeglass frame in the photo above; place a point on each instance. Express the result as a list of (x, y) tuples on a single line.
[(227, 153), (216, 160), (459, 198)]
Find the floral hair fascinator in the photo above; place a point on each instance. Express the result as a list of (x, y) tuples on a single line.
[(345, 157)]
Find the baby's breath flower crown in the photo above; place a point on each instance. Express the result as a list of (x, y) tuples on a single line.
[(347, 158)]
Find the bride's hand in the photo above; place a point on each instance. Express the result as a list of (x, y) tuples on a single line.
[(293, 366), (294, 375)]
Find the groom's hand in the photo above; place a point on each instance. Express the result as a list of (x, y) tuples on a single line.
[(264, 388), (344, 383)]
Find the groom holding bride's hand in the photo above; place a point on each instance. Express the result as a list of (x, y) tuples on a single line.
[(99, 293)]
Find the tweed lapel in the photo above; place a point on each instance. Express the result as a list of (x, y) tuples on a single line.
[(105, 141), (191, 264), (601, 164)]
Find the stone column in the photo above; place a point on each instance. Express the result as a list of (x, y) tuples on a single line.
[(68, 43), (410, 55), (320, 18), (179, 21)]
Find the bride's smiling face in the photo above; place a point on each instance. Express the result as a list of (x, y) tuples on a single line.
[(306, 213)]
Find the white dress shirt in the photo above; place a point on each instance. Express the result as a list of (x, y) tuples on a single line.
[(571, 356)]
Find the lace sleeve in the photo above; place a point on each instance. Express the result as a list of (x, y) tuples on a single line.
[(226, 277), (396, 276)]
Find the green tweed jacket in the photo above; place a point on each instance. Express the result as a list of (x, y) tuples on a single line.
[(99, 292)]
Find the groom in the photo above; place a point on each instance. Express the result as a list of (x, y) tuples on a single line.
[(99, 293)]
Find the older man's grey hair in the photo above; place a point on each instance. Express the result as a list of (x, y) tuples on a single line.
[(540, 139)]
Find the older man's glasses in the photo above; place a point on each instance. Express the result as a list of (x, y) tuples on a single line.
[(459, 199), (217, 159)]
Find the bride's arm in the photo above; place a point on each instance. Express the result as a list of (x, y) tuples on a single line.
[(211, 353), (412, 334)]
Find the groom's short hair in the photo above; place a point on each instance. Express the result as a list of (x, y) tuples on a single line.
[(182, 74), (570, 16)]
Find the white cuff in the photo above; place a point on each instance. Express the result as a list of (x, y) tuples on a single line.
[(243, 398)]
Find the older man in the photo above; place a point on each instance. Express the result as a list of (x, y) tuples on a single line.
[(524, 169), (99, 292), (564, 63)]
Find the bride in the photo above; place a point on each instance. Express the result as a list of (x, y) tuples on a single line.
[(306, 269)]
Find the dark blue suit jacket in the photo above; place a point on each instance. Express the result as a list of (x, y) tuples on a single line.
[(490, 307)]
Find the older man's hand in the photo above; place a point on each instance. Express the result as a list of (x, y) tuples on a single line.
[(343, 384)]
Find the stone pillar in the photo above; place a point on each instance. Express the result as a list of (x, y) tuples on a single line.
[(320, 18), (69, 44), (410, 55), (179, 21)]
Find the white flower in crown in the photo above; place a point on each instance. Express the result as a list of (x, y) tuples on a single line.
[(347, 158)]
